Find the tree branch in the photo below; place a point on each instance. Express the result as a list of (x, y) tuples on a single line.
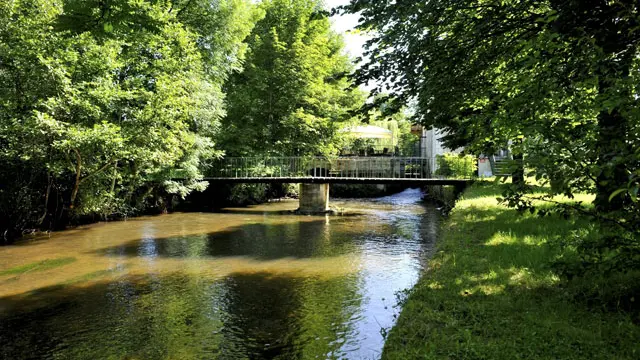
[(76, 185), (109, 163)]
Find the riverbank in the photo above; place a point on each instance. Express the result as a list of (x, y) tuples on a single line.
[(490, 293)]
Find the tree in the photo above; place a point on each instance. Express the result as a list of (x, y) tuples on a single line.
[(558, 79), (293, 94), (382, 114), (553, 75), (109, 101)]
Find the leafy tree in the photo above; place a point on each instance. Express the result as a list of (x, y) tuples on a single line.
[(558, 79), (399, 123), (293, 93), (111, 100), (530, 72)]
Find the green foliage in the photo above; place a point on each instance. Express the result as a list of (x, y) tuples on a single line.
[(103, 104), (292, 95), (454, 165), (556, 81), (529, 72), (408, 144), (400, 125), (609, 253), (490, 293), (251, 194), (248, 194)]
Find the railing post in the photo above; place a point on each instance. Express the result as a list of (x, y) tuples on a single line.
[(392, 162), (371, 167)]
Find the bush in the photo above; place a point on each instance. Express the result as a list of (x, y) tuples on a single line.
[(453, 165), (603, 265), (248, 194), (252, 194)]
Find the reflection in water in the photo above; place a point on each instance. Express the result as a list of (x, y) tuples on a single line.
[(262, 241), (257, 316), (228, 286)]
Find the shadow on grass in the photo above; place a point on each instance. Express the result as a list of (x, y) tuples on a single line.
[(484, 188), (490, 293), (494, 189)]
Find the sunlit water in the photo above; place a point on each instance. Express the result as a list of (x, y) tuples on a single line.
[(256, 283)]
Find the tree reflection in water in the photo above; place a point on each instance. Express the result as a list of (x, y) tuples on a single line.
[(256, 286)]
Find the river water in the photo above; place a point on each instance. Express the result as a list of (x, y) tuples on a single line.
[(250, 283)]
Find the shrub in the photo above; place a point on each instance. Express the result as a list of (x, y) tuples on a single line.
[(453, 165)]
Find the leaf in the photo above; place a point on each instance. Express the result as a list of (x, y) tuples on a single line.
[(616, 193)]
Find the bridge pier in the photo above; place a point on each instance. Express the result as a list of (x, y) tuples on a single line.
[(314, 198)]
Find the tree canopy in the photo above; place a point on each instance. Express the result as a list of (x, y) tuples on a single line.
[(112, 108), (554, 80), (562, 75), (294, 92), (106, 101)]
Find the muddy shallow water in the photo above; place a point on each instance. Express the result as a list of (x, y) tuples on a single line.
[(255, 283)]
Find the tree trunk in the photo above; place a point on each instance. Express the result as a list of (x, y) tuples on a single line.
[(613, 173), (113, 180), (613, 28), (46, 200), (76, 185), (517, 176), (612, 138), (517, 171)]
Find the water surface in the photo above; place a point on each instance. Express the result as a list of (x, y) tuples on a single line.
[(254, 283)]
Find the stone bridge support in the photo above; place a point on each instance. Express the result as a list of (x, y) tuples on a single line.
[(314, 198)]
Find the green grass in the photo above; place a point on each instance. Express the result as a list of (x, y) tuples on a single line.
[(490, 293), (38, 266)]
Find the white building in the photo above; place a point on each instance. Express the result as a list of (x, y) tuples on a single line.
[(431, 146)]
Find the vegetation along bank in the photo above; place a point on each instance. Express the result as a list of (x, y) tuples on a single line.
[(504, 285)]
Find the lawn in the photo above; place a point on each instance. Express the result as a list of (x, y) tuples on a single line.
[(490, 293)]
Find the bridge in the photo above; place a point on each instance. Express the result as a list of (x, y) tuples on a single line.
[(316, 173)]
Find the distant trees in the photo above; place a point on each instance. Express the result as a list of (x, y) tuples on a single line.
[(102, 103), (293, 94), (398, 122)]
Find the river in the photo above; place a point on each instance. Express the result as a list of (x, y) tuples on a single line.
[(250, 283)]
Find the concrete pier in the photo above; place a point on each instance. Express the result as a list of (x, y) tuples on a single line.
[(314, 198)]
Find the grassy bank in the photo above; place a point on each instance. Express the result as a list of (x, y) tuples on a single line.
[(490, 293)]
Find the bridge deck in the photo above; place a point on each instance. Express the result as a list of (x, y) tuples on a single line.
[(417, 171), (337, 180)]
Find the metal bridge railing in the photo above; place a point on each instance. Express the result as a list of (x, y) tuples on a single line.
[(313, 167)]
